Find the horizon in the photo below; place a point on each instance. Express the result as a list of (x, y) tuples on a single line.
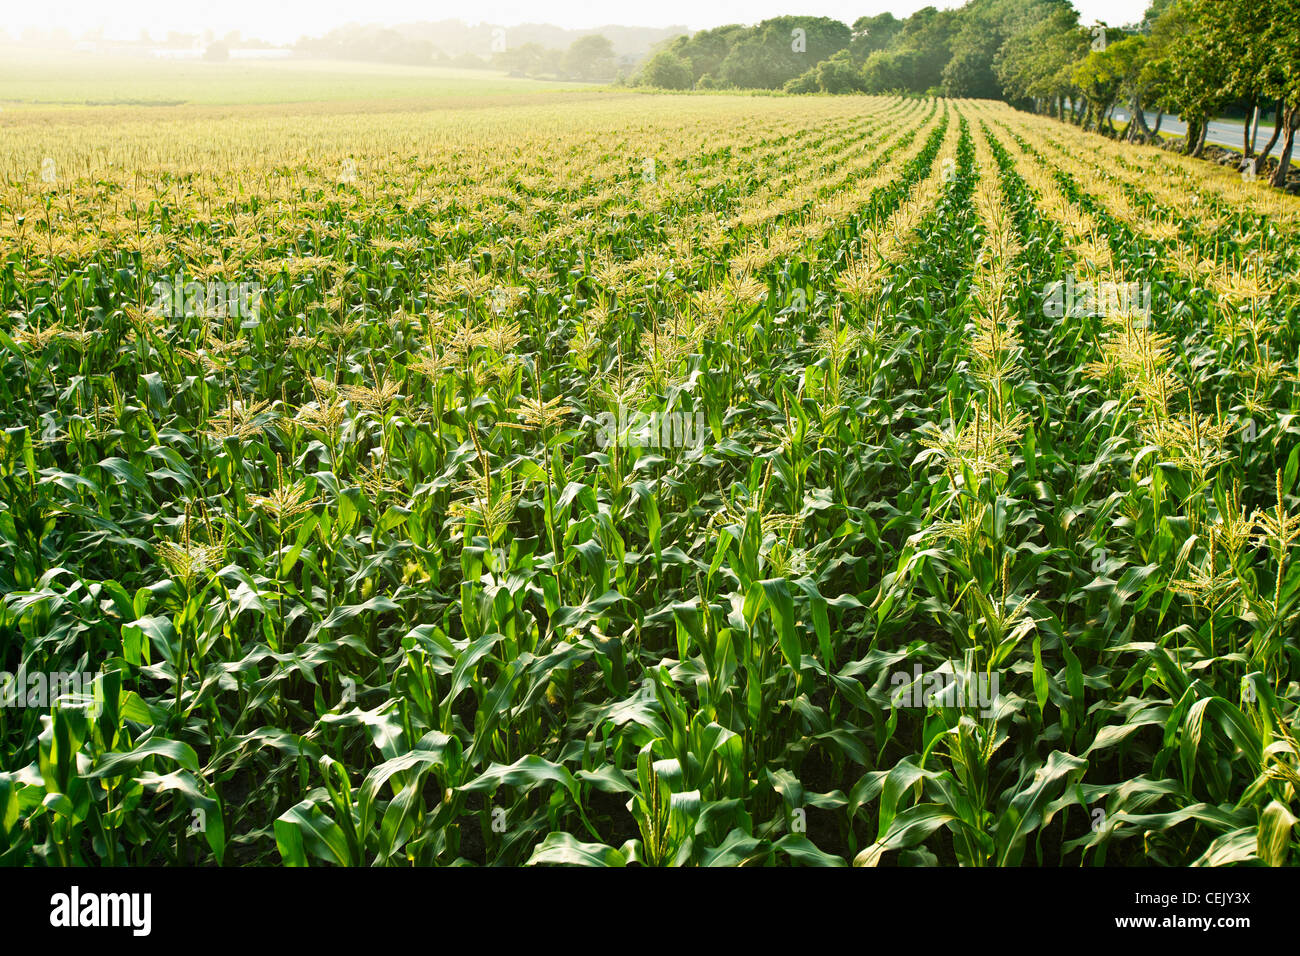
[(282, 23)]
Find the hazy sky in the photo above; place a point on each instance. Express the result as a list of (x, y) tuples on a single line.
[(283, 20)]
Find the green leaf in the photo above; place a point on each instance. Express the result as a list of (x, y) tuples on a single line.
[(565, 849), (1274, 841)]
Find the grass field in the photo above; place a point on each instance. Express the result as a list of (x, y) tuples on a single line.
[(607, 478), (35, 78)]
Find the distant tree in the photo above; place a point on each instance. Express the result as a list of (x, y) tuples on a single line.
[(1155, 10), (970, 71), (888, 71), (1195, 70), (590, 58), (1036, 64), (982, 28), (705, 51), (1157, 77), (217, 51), (1104, 74), (523, 60), (805, 82), (930, 32), (838, 75), (666, 70), (551, 63), (915, 61), (1137, 84), (1250, 40), (834, 75), (1282, 39), (781, 49), (1211, 53), (873, 33)]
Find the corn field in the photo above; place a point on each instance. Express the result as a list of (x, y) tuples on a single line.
[(644, 480)]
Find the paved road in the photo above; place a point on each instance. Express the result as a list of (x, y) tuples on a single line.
[(1224, 134)]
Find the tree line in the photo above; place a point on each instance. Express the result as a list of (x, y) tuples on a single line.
[(538, 50), (1196, 59)]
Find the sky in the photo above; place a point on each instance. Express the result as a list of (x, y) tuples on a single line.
[(280, 21)]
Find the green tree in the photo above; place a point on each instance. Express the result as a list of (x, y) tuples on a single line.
[(706, 50), (1255, 44), (1035, 65), (981, 30), (873, 33), (1105, 74), (915, 61), (889, 71), (805, 82), (781, 49), (666, 70), (523, 60), (970, 71), (835, 75), (1193, 69), (590, 58), (1282, 40)]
